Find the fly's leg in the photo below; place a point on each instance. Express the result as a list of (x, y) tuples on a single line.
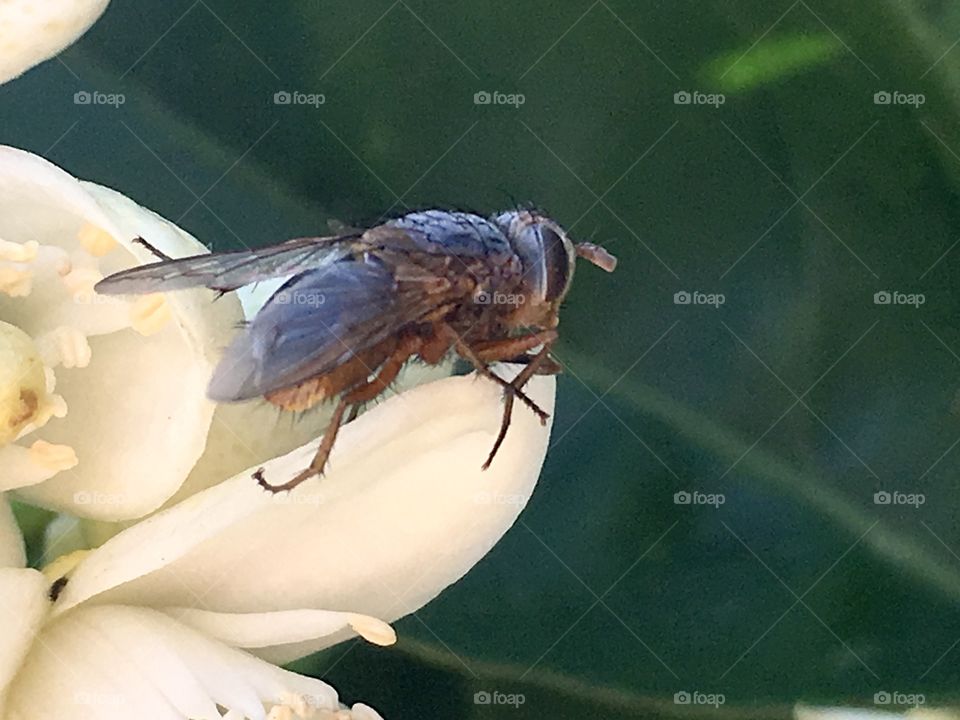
[(360, 394), (516, 384), (156, 251), (514, 351), (501, 349)]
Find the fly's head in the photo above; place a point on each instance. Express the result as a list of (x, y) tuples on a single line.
[(548, 257)]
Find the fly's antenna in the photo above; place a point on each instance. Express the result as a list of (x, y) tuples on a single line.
[(597, 255)]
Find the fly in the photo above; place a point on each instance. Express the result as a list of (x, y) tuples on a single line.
[(358, 305)]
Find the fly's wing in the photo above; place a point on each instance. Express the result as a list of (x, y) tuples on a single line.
[(315, 322), (228, 271)]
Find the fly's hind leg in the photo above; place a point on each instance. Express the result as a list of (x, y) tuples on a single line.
[(352, 398)]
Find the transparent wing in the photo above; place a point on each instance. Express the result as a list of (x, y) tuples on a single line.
[(315, 322), (228, 271)]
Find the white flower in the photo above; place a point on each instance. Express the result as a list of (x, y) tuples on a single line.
[(31, 32), (161, 618), (103, 412), (102, 399)]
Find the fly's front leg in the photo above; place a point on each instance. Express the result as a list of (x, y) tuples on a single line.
[(362, 393), (504, 349), (518, 382)]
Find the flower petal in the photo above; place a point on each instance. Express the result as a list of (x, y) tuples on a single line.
[(134, 383), (403, 511), (13, 553), (258, 630), (122, 662), (24, 606), (32, 32)]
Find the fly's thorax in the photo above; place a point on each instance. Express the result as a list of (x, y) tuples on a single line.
[(547, 257)]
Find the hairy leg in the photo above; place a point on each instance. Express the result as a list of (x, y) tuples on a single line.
[(519, 381), (360, 394), (510, 388)]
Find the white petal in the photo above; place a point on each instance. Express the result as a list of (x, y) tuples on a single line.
[(31, 32), (137, 417), (250, 433), (121, 662), (12, 551), (23, 607), (403, 511), (258, 630)]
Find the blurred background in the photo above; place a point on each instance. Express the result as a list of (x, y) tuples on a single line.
[(750, 500)]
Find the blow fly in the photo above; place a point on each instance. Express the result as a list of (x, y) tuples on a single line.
[(356, 306)]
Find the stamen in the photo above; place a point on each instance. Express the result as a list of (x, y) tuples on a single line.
[(16, 282), (66, 346), (18, 252), (53, 458), (149, 314), (96, 241), (79, 283), (372, 630)]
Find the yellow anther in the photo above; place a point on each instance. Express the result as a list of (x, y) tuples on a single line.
[(79, 283), (65, 345), (95, 240), (53, 457), (16, 282), (149, 314), (19, 252), (372, 630)]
